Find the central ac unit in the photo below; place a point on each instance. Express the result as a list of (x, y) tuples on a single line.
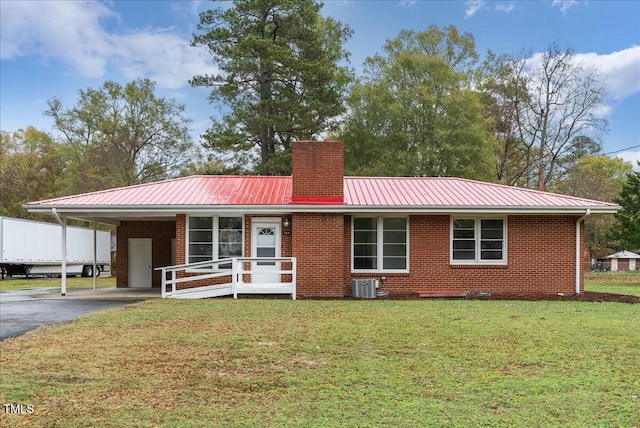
[(365, 288)]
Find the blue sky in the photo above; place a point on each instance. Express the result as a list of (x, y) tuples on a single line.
[(56, 48)]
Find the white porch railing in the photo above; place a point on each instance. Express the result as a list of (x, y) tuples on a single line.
[(210, 270)]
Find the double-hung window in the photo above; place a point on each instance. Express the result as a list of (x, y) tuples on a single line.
[(478, 240), (380, 244), (214, 238)]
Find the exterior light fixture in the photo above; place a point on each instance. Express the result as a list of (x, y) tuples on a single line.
[(286, 222)]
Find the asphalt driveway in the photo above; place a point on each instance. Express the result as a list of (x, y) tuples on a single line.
[(23, 310)]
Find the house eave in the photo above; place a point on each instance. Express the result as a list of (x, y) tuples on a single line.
[(104, 213)]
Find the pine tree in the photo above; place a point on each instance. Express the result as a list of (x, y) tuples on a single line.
[(279, 79), (627, 232)]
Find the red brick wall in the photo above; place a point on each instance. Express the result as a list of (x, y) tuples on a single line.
[(541, 259), (318, 170), (541, 255), (181, 227), (161, 233), (318, 245), (181, 236)]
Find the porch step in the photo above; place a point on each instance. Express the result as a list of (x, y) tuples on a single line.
[(440, 293)]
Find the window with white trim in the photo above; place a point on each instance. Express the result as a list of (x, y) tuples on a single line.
[(478, 240), (380, 244), (214, 238)]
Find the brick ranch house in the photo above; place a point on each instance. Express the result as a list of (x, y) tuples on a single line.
[(444, 235)]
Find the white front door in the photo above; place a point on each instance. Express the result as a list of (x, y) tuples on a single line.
[(265, 242), (140, 262)]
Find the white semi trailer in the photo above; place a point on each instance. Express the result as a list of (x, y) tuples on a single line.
[(33, 248)]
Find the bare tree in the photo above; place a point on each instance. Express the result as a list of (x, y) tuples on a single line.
[(550, 102)]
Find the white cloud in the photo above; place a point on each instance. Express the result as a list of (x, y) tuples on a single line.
[(602, 111), (159, 55), (505, 7), (630, 156), (187, 8), (565, 5), (472, 7), (34, 29), (620, 69)]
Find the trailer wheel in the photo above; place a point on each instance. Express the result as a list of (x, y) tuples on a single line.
[(87, 271)]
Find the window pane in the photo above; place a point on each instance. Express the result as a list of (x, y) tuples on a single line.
[(200, 239), (464, 245), (491, 255), (229, 239), (200, 236), (394, 263), (491, 245), (365, 263), (394, 223), (365, 237), (365, 223), (491, 224), (230, 223), (491, 229), (395, 237), (200, 250), (464, 255), (230, 236), (463, 223), (365, 250), (491, 234), (463, 234), (394, 250), (229, 250), (200, 223)]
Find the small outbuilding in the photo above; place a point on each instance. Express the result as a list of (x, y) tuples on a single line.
[(623, 260)]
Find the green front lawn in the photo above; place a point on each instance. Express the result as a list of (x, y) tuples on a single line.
[(9, 284), (613, 282), (270, 362)]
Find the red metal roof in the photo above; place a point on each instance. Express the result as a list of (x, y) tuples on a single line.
[(194, 190), (450, 192), (359, 192)]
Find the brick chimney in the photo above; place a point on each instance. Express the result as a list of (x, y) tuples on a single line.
[(318, 172)]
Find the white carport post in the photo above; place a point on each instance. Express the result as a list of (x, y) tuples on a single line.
[(63, 223), (95, 256)]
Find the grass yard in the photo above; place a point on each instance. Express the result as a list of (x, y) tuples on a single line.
[(306, 363), (613, 282), (74, 282)]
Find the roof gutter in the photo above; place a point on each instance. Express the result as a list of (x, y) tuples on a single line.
[(144, 210), (588, 213)]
